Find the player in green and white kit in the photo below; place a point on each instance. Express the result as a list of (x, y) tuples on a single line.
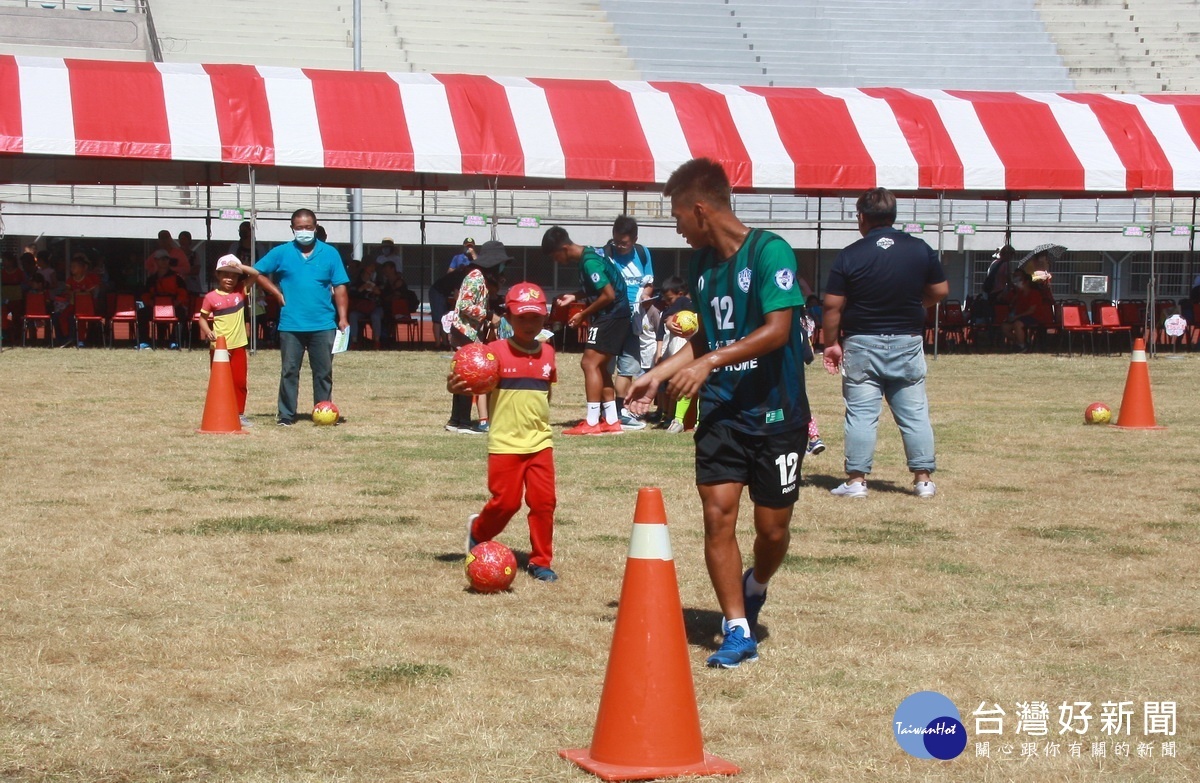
[(746, 365)]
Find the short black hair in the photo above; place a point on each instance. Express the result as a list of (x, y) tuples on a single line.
[(673, 284), (625, 226), (304, 212), (878, 206), (700, 178), (555, 238)]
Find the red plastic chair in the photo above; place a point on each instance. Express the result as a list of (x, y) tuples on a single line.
[(124, 313), (85, 313), (1110, 321), (1073, 320), (164, 316), (35, 311), (403, 315)]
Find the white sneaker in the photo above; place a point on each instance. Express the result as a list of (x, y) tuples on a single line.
[(675, 427), (856, 489), (245, 420), (631, 422), (470, 538), (924, 489)]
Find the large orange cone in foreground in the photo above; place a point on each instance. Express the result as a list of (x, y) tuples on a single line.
[(220, 408), (648, 725), (1137, 405)]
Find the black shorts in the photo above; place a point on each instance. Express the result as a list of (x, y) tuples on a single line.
[(607, 336), (768, 464)]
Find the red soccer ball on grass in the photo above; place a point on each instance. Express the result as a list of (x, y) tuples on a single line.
[(1097, 413), (477, 366), (491, 567), (325, 414)]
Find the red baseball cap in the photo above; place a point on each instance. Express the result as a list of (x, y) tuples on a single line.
[(526, 298)]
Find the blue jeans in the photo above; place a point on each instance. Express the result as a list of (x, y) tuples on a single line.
[(292, 346), (892, 367)]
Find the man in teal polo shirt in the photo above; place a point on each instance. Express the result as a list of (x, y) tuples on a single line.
[(307, 271)]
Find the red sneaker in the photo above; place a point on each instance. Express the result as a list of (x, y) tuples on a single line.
[(611, 429), (583, 428)]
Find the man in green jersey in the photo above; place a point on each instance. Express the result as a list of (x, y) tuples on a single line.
[(602, 288), (746, 365)]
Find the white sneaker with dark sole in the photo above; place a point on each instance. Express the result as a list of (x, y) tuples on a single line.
[(924, 489), (853, 489)]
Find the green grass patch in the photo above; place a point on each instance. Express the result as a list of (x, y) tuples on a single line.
[(403, 673), (608, 538), (279, 497), (807, 564), (954, 569), (263, 525), (1179, 630), (1130, 550), (890, 532), (1064, 533)]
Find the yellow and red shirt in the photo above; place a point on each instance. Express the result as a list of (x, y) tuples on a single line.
[(520, 405), (228, 311)]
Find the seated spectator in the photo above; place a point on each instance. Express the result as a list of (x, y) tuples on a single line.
[(164, 283), (390, 255), (11, 293), (1025, 298), (366, 303), (465, 258), (167, 245), (80, 282)]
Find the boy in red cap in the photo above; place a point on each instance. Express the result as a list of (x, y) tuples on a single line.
[(520, 450)]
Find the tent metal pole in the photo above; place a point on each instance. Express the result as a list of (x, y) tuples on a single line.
[(937, 308), (356, 194), (253, 259), (817, 266), (1152, 283), (495, 204)]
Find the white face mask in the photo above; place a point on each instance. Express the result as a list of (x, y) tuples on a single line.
[(305, 236)]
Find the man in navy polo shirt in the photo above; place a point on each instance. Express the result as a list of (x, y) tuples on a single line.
[(874, 328), (313, 280)]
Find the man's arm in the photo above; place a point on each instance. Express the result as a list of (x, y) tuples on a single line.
[(607, 296), (831, 324), (935, 293), (341, 300)]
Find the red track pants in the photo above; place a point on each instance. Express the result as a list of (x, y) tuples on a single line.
[(237, 363), (508, 475)]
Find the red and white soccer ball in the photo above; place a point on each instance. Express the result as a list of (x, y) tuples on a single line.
[(491, 567), (1097, 413), (478, 367), (325, 413)]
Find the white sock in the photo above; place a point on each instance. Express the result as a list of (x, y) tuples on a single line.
[(755, 587), (610, 412), (739, 623), (593, 413)]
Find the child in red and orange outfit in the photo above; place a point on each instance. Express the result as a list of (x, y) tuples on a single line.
[(520, 450), (226, 306)]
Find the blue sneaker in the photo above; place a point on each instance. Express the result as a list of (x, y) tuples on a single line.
[(471, 542), (736, 648), (541, 573), (754, 603)]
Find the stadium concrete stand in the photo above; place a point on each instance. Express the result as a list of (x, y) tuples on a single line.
[(842, 43), (99, 30), (1140, 46), (498, 37)]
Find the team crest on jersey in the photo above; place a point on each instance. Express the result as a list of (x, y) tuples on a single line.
[(784, 279), (883, 243), (595, 277), (744, 280)]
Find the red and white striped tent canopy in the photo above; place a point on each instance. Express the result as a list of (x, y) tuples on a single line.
[(83, 121)]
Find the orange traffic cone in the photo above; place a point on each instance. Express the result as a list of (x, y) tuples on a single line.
[(1137, 404), (648, 725), (220, 408)]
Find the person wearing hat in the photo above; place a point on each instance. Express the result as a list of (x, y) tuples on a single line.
[(390, 255), (520, 446), (463, 259), (998, 283), (307, 271), (225, 306), (472, 321)]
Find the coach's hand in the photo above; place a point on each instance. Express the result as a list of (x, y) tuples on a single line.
[(456, 385), (641, 392), (689, 379), (832, 358)]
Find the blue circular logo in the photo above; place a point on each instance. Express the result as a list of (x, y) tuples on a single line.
[(927, 725)]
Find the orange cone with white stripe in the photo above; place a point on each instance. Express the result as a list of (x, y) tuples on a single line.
[(220, 407), (648, 725), (1137, 404)]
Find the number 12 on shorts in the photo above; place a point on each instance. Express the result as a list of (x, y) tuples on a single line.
[(787, 464)]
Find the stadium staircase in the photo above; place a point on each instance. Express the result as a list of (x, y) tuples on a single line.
[(95, 29), (931, 44), (1139, 46)]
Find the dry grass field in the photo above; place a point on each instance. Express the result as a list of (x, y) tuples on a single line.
[(289, 605)]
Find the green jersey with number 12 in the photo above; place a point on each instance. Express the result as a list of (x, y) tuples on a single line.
[(759, 396)]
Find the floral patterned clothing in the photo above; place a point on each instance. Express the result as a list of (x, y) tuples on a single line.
[(471, 308)]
